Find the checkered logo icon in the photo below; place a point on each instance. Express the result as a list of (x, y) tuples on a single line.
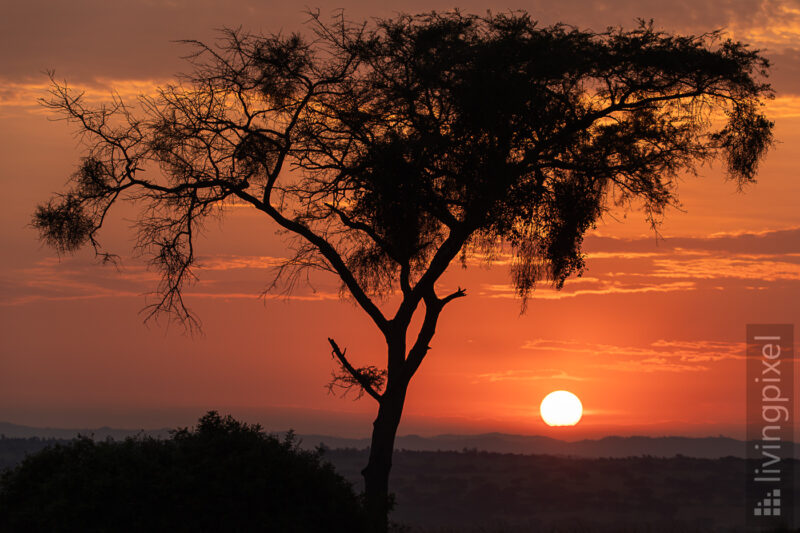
[(770, 505)]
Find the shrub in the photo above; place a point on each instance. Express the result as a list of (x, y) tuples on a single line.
[(222, 476)]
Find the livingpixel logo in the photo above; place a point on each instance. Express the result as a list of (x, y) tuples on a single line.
[(770, 505), (770, 426)]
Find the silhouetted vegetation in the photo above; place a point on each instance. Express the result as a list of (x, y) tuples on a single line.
[(390, 150), (474, 491), (14, 450), (481, 492), (222, 476)]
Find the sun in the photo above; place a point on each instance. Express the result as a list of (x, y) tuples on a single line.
[(561, 408)]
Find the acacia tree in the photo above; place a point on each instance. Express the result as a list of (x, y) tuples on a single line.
[(390, 150)]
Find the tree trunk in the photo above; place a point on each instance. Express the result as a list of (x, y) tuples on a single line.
[(376, 473)]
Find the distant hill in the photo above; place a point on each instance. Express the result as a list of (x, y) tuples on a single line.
[(705, 447), (23, 432)]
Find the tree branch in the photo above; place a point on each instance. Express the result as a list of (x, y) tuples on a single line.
[(328, 252), (438, 264), (367, 378), (433, 308), (460, 293), (354, 224)]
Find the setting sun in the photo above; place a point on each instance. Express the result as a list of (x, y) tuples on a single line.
[(561, 408)]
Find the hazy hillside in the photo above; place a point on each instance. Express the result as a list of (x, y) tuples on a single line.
[(707, 447), (18, 431)]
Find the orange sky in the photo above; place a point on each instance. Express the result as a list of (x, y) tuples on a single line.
[(650, 338)]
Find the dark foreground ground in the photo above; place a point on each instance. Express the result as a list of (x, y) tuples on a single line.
[(490, 492), (473, 491)]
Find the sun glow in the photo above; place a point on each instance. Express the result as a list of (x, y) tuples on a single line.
[(561, 408)]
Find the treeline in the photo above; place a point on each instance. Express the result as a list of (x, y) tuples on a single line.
[(472, 491), (446, 491), (14, 450)]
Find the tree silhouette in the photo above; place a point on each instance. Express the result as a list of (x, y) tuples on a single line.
[(221, 476), (390, 150)]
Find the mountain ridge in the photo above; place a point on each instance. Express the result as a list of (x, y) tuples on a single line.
[(493, 442)]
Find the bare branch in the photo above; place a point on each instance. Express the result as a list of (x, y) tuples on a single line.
[(368, 379), (460, 293)]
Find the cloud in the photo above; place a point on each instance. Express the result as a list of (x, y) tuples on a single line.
[(690, 351), (774, 241), (529, 375), (767, 256), (84, 39), (760, 268), (771, 23), (28, 93), (604, 288), (651, 364), (784, 75), (54, 279), (621, 255), (88, 39), (79, 278), (658, 356), (643, 265), (238, 262)]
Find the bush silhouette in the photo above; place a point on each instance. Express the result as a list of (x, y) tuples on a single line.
[(222, 476)]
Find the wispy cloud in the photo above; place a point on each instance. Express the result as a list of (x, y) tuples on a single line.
[(238, 262), (314, 296), (735, 266), (622, 255), (659, 356), (618, 267), (652, 364), (775, 241), (221, 277), (722, 258), (52, 279), (529, 375), (643, 266), (26, 94), (779, 24), (604, 288)]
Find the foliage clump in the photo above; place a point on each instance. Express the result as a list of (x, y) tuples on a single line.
[(224, 475)]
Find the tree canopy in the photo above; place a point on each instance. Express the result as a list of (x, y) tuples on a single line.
[(389, 150), (223, 475)]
